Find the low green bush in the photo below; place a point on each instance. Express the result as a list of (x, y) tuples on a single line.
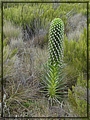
[(38, 15), (77, 98), (75, 57)]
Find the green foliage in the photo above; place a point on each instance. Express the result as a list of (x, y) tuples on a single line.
[(9, 57), (75, 56), (28, 103), (25, 14), (56, 34), (78, 98), (54, 83), (40, 14)]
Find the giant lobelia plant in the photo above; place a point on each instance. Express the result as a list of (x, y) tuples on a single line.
[(54, 78)]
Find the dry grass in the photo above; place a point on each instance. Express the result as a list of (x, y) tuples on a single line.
[(75, 26), (23, 97), (22, 85), (11, 31)]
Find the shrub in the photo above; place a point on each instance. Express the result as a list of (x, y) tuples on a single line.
[(75, 57), (37, 15), (77, 98)]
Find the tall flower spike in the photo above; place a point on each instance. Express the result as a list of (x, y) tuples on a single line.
[(56, 35), (54, 84)]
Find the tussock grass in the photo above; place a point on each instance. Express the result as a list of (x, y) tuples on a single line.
[(23, 83), (10, 30)]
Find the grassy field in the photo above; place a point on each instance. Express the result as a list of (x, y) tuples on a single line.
[(25, 55)]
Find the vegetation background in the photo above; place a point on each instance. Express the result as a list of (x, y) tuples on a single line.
[(25, 51)]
